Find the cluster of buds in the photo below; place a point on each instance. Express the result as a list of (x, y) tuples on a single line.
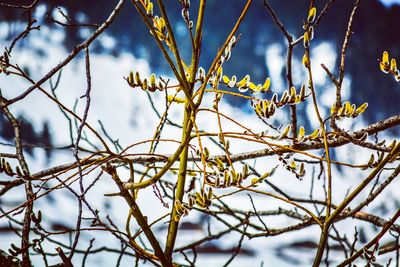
[(315, 135), (201, 74), (312, 14), (222, 174), (134, 80), (348, 110), (262, 178), (245, 84), (290, 97), (6, 168), (148, 5), (218, 73), (228, 50), (182, 209), (185, 13), (301, 135), (160, 28), (158, 23), (285, 132), (173, 98), (309, 29), (297, 169), (391, 67), (215, 79), (14, 250), (308, 34), (227, 178), (372, 163), (201, 199), (266, 108)]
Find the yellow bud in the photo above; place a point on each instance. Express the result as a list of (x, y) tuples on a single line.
[(340, 111), (225, 79), (312, 14), (137, 79), (209, 193), (301, 134), (314, 134), (175, 99), (293, 165), (145, 86), (393, 65), (243, 82), (362, 108), (206, 153), (149, 9), (306, 40), (161, 24), (347, 105), (371, 160), (219, 71), (131, 79), (352, 110), (266, 85), (306, 60), (301, 170), (293, 91), (265, 105), (252, 86), (385, 58), (285, 131), (284, 98), (153, 80), (259, 110), (8, 169), (333, 109)]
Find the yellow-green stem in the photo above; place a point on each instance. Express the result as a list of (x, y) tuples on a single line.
[(187, 128), (180, 187), (321, 246)]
